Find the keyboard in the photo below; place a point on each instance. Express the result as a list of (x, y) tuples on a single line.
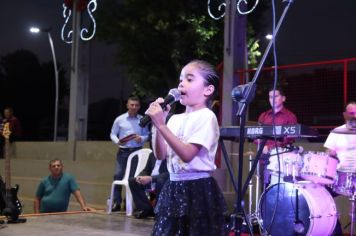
[(269, 131)]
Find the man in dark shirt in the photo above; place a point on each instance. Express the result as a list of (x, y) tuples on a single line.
[(151, 178), (282, 116), (277, 115), (14, 126)]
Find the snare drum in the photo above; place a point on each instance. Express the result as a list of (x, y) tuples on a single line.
[(345, 183), (317, 214), (319, 167), (289, 165)]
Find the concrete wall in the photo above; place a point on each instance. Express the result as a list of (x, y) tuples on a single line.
[(93, 163)]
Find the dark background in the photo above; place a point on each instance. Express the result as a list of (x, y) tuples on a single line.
[(316, 30)]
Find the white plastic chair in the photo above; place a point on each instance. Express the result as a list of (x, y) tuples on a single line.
[(143, 155)]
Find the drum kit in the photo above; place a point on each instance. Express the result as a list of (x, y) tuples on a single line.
[(298, 200)]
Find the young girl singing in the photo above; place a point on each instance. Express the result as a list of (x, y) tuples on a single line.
[(190, 202)]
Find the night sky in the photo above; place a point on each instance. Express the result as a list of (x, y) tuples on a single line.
[(18, 16), (313, 29), (318, 30)]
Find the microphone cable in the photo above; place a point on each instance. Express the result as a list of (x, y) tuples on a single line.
[(268, 228)]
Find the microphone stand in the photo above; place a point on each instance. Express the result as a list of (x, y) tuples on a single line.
[(248, 96)]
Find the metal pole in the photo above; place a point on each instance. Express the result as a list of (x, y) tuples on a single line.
[(74, 102), (56, 87)]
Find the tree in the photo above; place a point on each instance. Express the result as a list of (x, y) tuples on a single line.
[(29, 87), (155, 38)]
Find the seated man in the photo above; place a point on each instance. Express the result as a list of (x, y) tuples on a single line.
[(277, 115), (341, 142), (53, 192), (151, 178)]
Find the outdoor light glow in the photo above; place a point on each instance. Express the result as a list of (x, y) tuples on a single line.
[(269, 36), (34, 30)]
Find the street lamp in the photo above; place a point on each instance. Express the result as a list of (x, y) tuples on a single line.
[(48, 31), (269, 36)]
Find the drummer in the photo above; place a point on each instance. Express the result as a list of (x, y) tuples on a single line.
[(282, 116), (341, 142)]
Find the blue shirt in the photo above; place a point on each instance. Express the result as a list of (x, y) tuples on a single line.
[(54, 193), (125, 125)]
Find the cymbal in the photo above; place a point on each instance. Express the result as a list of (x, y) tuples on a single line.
[(343, 131)]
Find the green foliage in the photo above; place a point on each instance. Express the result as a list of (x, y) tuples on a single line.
[(253, 46), (156, 38)]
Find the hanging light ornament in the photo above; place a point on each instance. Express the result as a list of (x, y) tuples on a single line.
[(219, 6), (81, 5)]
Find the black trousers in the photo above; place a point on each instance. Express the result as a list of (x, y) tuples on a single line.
[(139, 192)]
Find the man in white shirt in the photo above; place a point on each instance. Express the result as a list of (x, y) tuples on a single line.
[(342, 141), (129, 137)]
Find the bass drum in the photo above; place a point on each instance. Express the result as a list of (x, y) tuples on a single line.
[(298, 209)]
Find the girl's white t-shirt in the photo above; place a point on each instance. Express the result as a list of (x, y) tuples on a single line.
[(198, 127)]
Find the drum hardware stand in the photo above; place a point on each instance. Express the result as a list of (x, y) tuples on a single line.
[(244, 94), (239, 215), (250, 186), (253, 215), (292, 177), (298, 224)]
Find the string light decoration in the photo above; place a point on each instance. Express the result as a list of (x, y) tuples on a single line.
[(217, 8), (81, 5)]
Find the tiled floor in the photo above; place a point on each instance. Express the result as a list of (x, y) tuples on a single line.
[(79, 224)]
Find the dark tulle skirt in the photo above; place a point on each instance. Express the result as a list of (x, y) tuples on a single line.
[(191, 207)]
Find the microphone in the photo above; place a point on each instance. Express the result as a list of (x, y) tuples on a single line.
[(295, 149), (172, 97)]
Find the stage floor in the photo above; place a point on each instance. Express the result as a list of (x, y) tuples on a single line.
[(79, 224), (82, 224)]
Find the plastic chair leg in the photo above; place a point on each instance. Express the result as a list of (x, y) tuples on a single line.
[(111, 199)]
